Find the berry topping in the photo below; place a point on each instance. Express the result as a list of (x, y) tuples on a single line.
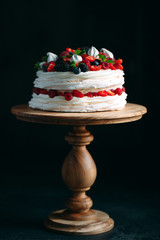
[(96, 62), (105, 65), (111, 92), (117, 65), (90, 58), (43, 91), (68, 96), (51, 67), (102, 93), (123, 89), (83, 67), (77, 93), (52, 93), (64, 53), (62, 67), (111, 66), (89, 94), (95, 68), (86, 62), (70, 50), (36, 90), (118, 91), (76, 70), (44, 68)]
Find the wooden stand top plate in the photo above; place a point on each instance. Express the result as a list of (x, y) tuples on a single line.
[(131, 112)]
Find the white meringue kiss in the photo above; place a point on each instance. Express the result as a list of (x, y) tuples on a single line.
[(76, 58), (109, 54), (93, 52), (51, 57)]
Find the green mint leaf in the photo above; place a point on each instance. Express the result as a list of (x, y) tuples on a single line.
[(82, 52), (37, 66), (73, 64), (110, 61), (77, 52), (103, 57), (67, 56), (44, 59)]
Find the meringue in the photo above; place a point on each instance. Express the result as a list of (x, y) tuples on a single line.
[(109, 54), (51, 57), (93, 52), (76, 58)]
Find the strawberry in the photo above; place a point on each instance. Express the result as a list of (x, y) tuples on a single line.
[(36, 90), (95, 94), (70, 50), (64, 53), (65, 59), (68, 96), (123, 89), (90, 58), (87, 62), (43, 91), (84, 56), (102, 93), (117, 65), (111, 92), (118, 91), (51, 67), (52, 93), (89, 94), (112, 67), (95, 68), (77, 93), (105, 65), (119, 61), (61, 93)]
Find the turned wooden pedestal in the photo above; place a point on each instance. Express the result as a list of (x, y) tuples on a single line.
[(79, 169)]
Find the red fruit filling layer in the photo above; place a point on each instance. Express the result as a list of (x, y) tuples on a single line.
[(75, 93)]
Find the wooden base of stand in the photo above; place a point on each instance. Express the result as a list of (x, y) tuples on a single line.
[(99, 223)]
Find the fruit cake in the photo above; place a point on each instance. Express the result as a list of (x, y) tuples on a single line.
[(80, 80)]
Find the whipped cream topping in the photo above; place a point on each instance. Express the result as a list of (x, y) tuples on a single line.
[(84, 104), (93, 52), (85, 80), (51, 57), (109, 54), (76, 58)]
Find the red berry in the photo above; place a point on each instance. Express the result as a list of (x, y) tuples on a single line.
[(119, 61), (36, 90), (111, 92), (68, 96), (43, 91), (52, 93), (123, 89), (66, 59), (95, 94), (104, 54), (102, 93), (118, 91), (90, 58), (105, 65), (117, 65), (77, 93), (70, 50), (61, 93), (64, 53), (51, 67), (89, 94), (87, 62), (84, 55), (112, 67), (95, 68)]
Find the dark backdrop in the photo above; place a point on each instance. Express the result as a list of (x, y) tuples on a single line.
[(127, 154)]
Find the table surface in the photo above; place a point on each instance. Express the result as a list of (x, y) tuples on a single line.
[(131, 112)]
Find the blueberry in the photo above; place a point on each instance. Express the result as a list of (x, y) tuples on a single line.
[(96, 62), (70, 53), (77, 70), (44, 68)]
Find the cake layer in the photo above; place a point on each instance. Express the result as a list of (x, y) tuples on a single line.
[(85, 104), (85, 80)]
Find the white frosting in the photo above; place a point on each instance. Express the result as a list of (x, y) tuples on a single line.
[(85, 80), (51, 57), (76, 58), (93, 52), (85, 104), (109, 54)]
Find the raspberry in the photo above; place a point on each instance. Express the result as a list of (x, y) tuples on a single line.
[(43, 91), (87, 62), (118, 91), (105, 65), (52, 93), (102, 93), (36, 90), (95, 68), (89, 94), (77, 93), (68, 96)]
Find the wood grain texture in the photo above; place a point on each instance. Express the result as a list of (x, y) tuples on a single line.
[(131, 112)]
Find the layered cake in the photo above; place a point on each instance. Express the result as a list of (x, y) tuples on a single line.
[(81, 80)]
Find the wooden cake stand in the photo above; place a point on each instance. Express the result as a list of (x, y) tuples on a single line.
[(79, 170)]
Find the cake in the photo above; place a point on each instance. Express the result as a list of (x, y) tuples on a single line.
[(81, 80)]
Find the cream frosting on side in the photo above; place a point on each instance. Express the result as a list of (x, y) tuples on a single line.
[(85, 104), (85, 80)]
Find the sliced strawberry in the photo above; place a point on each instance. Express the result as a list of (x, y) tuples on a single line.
[(111, 92), (102, 93), (112, 67), (52, 93), (118, 91), (117, 65), (77, 93), (51, 67), (70, 50), (84, 56), (89, 94), (36, 90), (43, 91), (90, 58), (119, 61), (95, 68), (95, 94)]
